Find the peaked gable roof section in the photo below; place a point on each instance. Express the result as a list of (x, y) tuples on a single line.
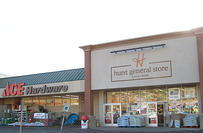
[(45, 78)]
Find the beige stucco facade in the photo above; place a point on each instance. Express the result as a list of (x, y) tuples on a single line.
[(179, 56), (176, 63)]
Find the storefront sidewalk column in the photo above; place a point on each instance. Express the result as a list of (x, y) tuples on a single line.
[(199, 35), (88, 91)]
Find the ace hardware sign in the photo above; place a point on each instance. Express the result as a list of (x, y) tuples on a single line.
[(14, 90), (19, 90)]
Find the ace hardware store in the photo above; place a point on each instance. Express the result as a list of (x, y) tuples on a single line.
[(152, 81), (43, 96)]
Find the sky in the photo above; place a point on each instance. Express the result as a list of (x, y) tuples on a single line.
[(38, 36)]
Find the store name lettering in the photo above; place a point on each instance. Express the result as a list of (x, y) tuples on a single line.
[(138, 71), (18, 90), (13, 90), (45, 89), (130, 72)]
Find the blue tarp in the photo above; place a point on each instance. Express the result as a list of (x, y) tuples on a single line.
[(71, 119)]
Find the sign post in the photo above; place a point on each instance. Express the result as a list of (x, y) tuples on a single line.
[(21, 116), (65, 109)]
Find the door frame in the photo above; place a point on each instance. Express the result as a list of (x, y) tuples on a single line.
[(152, 125), (110, 104), (165, 108)]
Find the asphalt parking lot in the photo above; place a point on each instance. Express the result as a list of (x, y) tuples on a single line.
[(99, 130)]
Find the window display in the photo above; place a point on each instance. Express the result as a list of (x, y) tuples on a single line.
[(42, 100), (189, 92), (74, 100), (36, 100), (190, 105), (113, 97), (134, 102), (58, 101), (50, 101), (182, 99), (66, 99), (175, 106), (124, 103), (174, 93), (143, 93)]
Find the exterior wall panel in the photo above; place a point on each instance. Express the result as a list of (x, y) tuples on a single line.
[(73, 87), (180, 53)]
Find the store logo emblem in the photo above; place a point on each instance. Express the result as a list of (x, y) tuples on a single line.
[(138, 60), (13, 90)]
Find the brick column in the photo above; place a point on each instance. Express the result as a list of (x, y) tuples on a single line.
[(88, 91), (199, 36)]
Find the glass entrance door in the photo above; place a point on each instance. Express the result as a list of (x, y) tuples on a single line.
[(111, 114), (108, 114), (152, 114), (162, 111)]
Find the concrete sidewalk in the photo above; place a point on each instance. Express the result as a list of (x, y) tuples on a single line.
[(99, 130), (148, 129)]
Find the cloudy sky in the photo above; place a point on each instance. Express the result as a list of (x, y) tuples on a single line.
[(44, 35)]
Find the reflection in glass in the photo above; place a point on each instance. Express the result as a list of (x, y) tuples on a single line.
[(66, 99), (116, 113), (143, 95), (108, 114), (36, 100), (50, 101), (124, 102), (134, 102), (179, 99), (27, 101), (113, 97), (156, 95), (190, 105), (58, 101), (42, 100), (74, 100)]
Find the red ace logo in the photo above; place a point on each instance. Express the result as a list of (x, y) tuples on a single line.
[(13, 89)]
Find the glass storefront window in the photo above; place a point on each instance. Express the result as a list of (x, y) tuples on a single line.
[(36, 100), (161, 94), (152, 95), (27, 101), (190, 105), (175, 106), (74, 100), (174, 93), (50, 101), (189, 92), (124, 102), (58, 101), (143, 108), (157, 94), (190, 102), (134, 102), (183, 99), (179, 99), (66, 99), (143, 94), (113, 97), (42, 100), (134, 96), (174, 100)]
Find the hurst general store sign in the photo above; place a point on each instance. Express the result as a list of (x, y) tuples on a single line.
[(20, 90), (139, 69)]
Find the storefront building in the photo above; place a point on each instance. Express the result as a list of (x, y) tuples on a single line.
[(42, 93), (155, 77)]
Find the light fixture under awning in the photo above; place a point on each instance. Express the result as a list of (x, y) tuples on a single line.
[(139, 49)]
